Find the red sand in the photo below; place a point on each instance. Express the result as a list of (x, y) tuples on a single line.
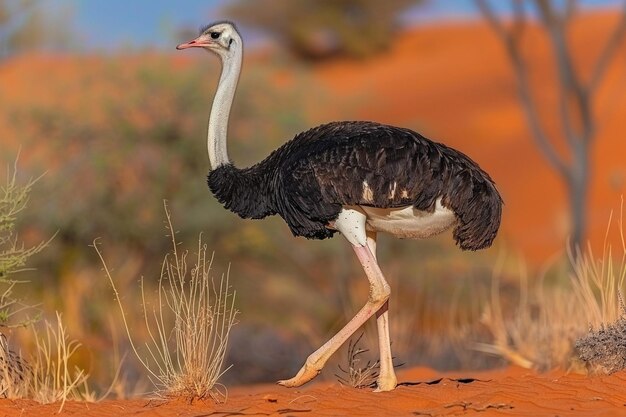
[(510, 392)]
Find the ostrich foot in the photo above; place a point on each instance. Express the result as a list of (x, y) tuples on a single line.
[(304, 375), (386, 383)]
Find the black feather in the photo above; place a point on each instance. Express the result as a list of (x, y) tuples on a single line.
[(309, 179)]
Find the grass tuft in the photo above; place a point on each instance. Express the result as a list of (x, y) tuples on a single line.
[(53, 379), (355, 375), (189, 327), (548, 323)]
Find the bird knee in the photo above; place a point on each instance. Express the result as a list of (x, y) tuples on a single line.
[(379, 294)]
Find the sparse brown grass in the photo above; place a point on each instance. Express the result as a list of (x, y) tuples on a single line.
[(357, 374), (53, 379), (599, 281), (47, 376), (188, 327), (542, 331)]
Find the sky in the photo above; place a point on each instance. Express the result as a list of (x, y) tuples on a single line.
[(110, 24)]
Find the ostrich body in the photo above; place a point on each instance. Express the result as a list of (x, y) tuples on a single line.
[(355, 178)]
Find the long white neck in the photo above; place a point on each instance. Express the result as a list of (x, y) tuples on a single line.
[(218, 121)]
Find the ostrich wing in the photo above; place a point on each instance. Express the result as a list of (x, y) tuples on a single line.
[(363, 163)]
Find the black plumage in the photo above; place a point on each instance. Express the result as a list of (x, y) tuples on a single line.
[(309, 179)]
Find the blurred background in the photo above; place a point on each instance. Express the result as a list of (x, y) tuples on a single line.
[(95, 100)]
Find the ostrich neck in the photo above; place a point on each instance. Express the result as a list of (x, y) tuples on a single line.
[(218, 121)]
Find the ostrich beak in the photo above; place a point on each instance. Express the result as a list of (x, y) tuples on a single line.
[(194, 43)]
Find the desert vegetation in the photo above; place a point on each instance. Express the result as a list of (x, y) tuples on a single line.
[(577, 325), (356, 372), (46, 374), (188, 323), (54, 378), (13, 253)]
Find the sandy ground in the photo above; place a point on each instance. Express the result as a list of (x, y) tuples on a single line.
[(422, 392)]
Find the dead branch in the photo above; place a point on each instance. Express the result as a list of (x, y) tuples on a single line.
[(608, 52), (511, 38)]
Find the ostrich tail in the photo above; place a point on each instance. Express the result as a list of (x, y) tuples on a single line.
[(479, 217)]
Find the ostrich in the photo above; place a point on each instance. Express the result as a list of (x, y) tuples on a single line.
[(357, 178)]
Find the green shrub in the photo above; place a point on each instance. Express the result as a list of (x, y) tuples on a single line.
[(13, 253)]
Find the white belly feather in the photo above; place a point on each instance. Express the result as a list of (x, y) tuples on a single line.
[(407, 222)]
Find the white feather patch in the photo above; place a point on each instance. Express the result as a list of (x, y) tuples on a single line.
[(392, 193), (351, 224), (368, 194), (406, 222)]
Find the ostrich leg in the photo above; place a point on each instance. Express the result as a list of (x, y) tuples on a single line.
[(352, 227), (387, 377)]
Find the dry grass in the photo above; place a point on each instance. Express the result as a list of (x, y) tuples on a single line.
[(188, 328), (15, 373), (540, 333), (48, 376), (355, 374), (598, 282), (543, 330), (53, 379)]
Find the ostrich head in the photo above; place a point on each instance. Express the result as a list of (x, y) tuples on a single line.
[(220, 38)]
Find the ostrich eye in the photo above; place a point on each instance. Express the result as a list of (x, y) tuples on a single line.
[(215, 35)]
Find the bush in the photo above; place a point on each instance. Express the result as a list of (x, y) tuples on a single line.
[(315, 29), (46, 377), (13, 253)]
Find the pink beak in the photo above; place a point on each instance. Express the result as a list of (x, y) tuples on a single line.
[(194, 43)]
